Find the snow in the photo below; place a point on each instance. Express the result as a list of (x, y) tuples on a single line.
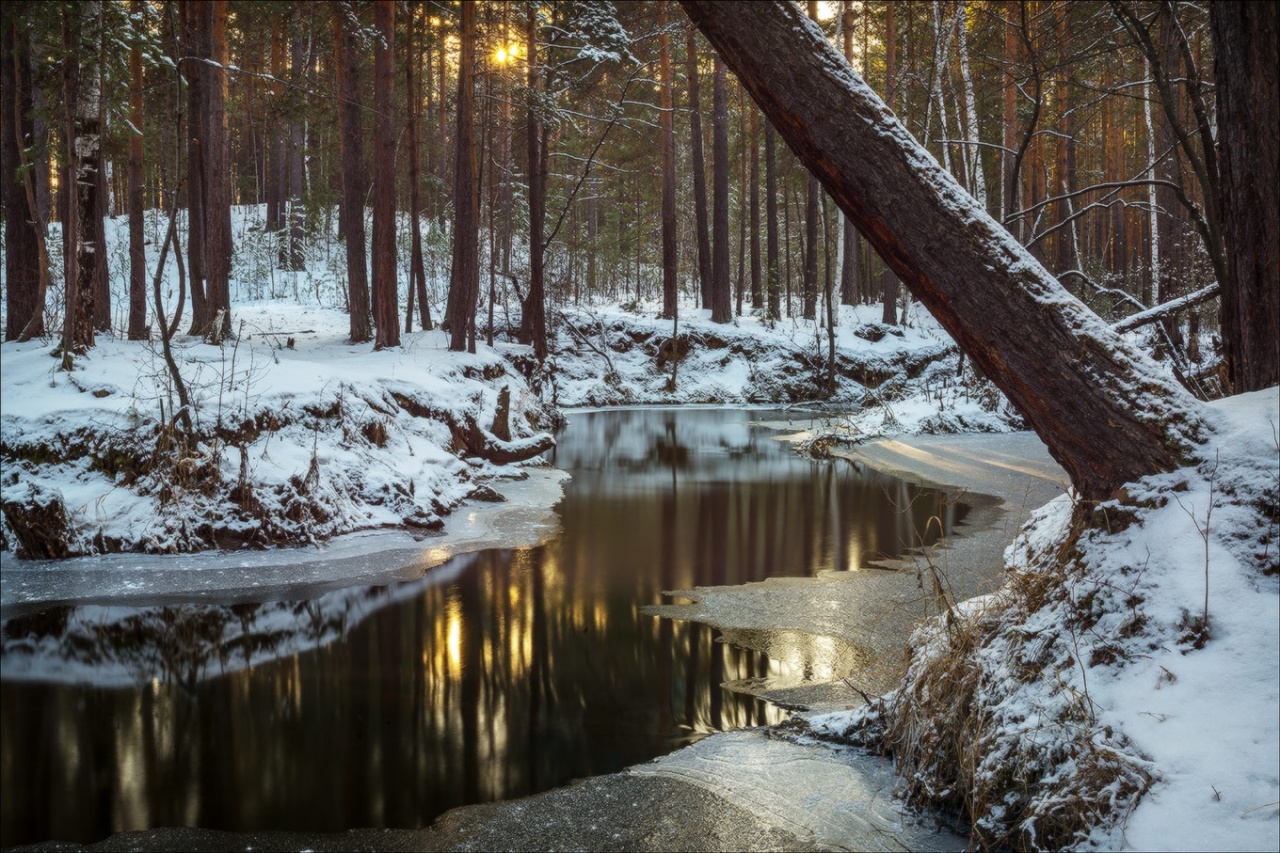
[(312, 420), (325, 437), (888, 380), (1199, 717)]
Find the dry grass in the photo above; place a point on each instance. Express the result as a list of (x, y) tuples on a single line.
[(993, 722)]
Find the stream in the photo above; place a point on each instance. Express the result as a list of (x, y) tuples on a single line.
[(494, 675)]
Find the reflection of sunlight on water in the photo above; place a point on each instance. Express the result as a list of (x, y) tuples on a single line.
[(496, 675), (453, 633), (853, 562)]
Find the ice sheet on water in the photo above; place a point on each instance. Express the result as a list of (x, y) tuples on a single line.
[(526, 518)]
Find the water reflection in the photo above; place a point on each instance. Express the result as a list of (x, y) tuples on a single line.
[(500, 674)]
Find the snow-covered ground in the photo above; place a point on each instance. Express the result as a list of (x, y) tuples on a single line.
[(1097, 685), (299, 436), (888, 379)]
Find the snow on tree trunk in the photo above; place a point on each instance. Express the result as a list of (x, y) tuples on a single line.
[(1106, 412)]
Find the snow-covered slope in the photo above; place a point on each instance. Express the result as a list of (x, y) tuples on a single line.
[(1120, 691)]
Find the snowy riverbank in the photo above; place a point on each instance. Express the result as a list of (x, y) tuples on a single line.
[(297, 437), (1119, 691)]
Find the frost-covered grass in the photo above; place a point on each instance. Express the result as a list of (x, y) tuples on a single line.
[(1094, 701)]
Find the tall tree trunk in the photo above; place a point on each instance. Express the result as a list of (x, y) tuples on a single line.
[(100, 204), (295, 150), (442, 125), (80, 131), (350, 118), (888, 280), (196, 75), (26, 259), (1064, 155), (386, 318), (721, 298), (847, 246), (137, 250), (275, 175), (534, 317), (977, 177), (466, 219), (1009, 176), (1058, 362), (757, 287), (90, 201), (699, 170), (217, 176), (667, 123), (1245, 37), (772, 284), (417, 272)]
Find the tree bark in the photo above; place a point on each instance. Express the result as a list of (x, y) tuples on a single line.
[(217, 176), (667, 124), (25, 264), (1245, 37), (351, 211), (417, 272), (889, 281), (196, 76), (757, 286), (386, 318), (699, 171), (275, 175), (87, 188), (137, 240), (1059, 364), (534, 317), (466, 222), (99, 199), (294, 167), (771, 222), (721, 298)]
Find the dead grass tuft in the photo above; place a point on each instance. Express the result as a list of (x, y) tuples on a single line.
[(993, 722)]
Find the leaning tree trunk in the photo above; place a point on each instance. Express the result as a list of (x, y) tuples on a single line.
[(1107, 414)]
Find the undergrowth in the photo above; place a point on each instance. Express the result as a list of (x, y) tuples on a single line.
[(994, 723)]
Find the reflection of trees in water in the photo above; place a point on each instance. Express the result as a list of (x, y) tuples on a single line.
[(532, 668), (516, 678), (176, 644)]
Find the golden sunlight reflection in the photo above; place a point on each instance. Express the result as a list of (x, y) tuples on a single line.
[(500, 674)]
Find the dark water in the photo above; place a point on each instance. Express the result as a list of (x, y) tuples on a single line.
[(499, 674)]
